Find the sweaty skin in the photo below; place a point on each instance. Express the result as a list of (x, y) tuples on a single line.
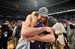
[(31, 32)]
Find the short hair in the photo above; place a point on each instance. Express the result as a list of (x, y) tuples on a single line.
[(51, 21)]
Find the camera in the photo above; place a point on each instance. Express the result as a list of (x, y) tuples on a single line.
[(72, 26)]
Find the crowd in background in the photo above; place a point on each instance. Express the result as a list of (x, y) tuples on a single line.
[(10, 30), (7, 29)]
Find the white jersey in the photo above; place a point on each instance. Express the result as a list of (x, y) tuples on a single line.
[(23, 43), (59, 30)]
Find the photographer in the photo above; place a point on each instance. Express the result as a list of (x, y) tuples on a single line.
[(6, 33)]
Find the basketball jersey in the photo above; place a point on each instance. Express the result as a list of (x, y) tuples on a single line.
[(35, 44)]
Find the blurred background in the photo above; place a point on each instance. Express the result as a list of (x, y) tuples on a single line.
[(13, 12), (18, 9)]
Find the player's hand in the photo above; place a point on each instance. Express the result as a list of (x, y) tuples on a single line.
[(33, 38), (48, 29)]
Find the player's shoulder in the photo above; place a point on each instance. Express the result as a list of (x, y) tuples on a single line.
[(29, 16)]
